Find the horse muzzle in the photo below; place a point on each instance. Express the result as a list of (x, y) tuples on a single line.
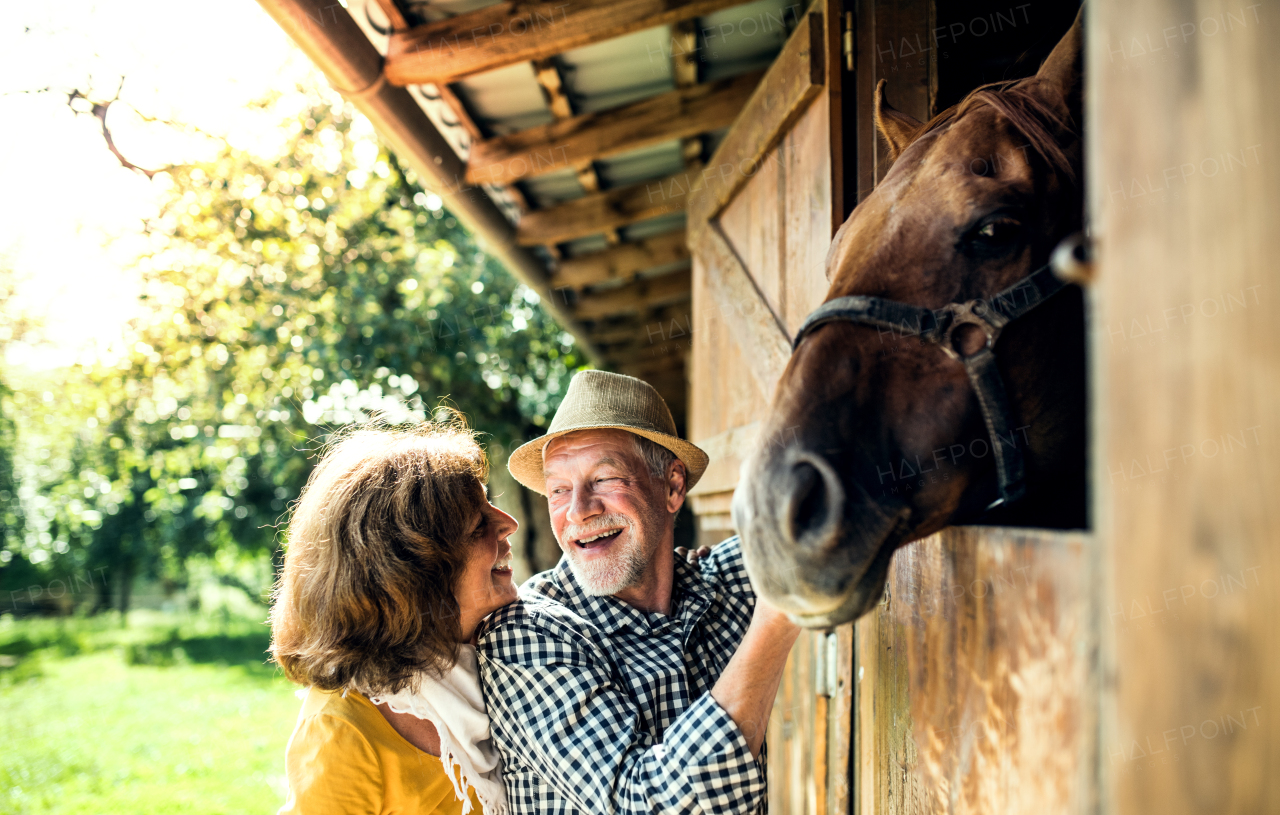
[(815, 546)]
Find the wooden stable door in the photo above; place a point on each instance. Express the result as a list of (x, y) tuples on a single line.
[(759, 232), (971, 687)]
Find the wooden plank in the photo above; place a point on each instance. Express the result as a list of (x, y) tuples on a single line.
[(888, 766), (645, 363), (980, 662), (862, 90), (726, 451), (909, 73), (1183, 190), (754, 224), (460, 112), (841, 724), (653, 327), (724, 394), (554, 146), (394, 15), (621, 261), (633, 297), (882, 29), (779, 222), (739, 303), (809, 197), (835, 14), (788, 86), (593, 214), (510, 32)]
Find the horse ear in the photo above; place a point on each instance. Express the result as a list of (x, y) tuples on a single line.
[(897, 128), (1063, 71)]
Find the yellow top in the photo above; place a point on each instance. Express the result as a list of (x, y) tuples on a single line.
[(345, 758)]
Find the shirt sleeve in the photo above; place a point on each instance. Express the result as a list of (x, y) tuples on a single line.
[(552, 701), (332, 769)]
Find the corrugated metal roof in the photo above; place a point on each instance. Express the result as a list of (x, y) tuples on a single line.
[(597, 77)]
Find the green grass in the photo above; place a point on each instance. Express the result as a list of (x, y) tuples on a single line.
[(167, 715)]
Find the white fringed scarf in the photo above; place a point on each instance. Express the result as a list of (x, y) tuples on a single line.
[(454, 705)]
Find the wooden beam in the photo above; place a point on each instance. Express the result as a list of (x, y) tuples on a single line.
[(653, 327), (621, 261), (394, 15), (684, 47), (567, 143), (596, 213), (684, 70), (510, 32), (634, 297), (646, 333), (552, 84), (644, 365), (727, 451), (649, 352), (460, 111), (791, 83), (548, 76), (670, 371)]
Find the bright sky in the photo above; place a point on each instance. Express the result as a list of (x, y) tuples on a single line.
[(70, 214)]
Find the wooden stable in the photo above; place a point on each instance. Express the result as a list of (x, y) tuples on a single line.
[(1023, 670), (1129, 667)]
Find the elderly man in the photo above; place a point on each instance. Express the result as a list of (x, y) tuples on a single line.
[(627, 680)]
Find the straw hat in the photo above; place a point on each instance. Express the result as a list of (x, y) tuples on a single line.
[(597, 400)]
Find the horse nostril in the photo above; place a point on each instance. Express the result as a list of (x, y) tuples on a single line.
[(808, 500), (809, 506)]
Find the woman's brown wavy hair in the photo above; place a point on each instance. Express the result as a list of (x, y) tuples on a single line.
[(375, 545)]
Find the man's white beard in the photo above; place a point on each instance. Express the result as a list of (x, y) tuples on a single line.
[(603, 576)]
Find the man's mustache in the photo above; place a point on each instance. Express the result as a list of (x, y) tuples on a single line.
[(574, 532)]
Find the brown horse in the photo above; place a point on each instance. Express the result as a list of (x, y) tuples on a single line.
[(876, 438)]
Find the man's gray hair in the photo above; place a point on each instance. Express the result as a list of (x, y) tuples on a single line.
[(656, 457)]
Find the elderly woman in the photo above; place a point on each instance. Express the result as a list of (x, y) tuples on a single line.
[(394, 557)]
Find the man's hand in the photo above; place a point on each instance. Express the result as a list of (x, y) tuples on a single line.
[(768, 617), (693, 555)]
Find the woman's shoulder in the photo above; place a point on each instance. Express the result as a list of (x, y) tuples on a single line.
[(342, 748), (335, 723)]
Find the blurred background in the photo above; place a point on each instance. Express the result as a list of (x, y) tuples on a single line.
[(178, 338)]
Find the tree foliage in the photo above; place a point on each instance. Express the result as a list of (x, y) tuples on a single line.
[(284, 297)]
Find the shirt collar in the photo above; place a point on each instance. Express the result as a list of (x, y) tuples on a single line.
[(691, 596)]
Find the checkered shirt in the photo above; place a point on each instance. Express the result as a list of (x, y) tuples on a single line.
[(599, 707)]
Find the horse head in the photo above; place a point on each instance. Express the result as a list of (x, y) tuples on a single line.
[(876, 438)]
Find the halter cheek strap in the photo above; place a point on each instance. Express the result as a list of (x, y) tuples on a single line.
[(938, 326)]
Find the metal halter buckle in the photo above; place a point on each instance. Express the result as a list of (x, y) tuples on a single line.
[(973, 312)]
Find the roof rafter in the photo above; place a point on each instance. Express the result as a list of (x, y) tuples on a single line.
[(511, 32), (566, 143), (620, 262), (634, 297), (601, 211)]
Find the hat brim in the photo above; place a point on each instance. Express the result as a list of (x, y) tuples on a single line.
[(525, 463)]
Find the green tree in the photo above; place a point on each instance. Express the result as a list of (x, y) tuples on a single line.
[(284, 297)]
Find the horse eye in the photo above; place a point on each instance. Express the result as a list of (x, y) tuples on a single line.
[(1000, 231)]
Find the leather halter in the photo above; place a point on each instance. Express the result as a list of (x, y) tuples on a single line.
[(937, 326)]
